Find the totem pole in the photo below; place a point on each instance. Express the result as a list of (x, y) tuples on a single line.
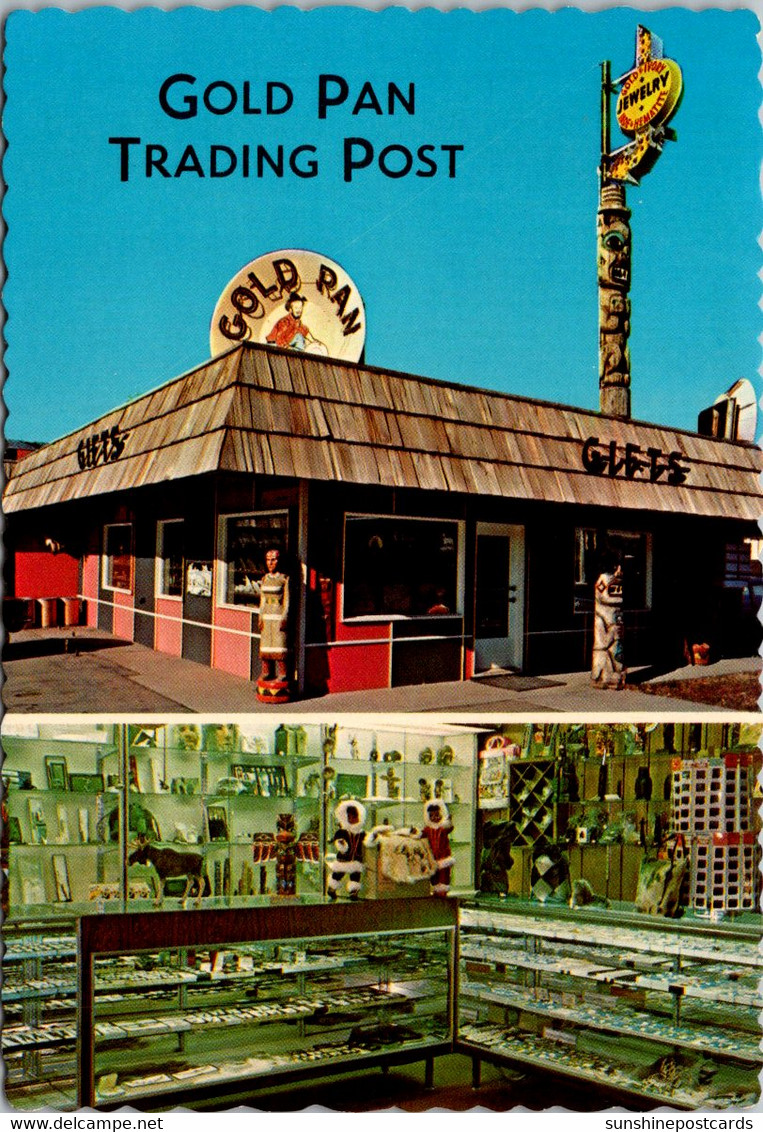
[(608, 668), (648, 96)]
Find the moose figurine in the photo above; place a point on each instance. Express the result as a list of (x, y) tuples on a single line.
[(170, 863)]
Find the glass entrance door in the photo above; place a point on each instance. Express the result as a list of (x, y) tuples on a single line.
[(499, 597)]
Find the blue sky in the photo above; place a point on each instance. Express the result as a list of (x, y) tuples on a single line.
[(488, 278)]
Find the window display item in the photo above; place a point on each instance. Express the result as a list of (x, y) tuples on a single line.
[(436, 830), (660, 878), (348, 841), (643, 785), (404, 856), (171, 864), (495, 859)]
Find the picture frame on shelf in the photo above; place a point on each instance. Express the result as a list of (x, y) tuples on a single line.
[(56, 772), (61, 877), (85, 783), (14, 831), (37, 822), (17, 780), (217, 823), (32, 881), (133, 779), (351, 785), (246, 773)]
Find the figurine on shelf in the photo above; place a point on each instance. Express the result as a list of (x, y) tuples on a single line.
[(170, 863), (286, 849), (273, 683), (348, 841), (437, 827)]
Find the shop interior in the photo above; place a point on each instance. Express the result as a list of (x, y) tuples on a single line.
[(379, 913)]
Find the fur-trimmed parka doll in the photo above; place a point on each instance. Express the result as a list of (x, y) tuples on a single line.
[(348, 841), (437, 827)]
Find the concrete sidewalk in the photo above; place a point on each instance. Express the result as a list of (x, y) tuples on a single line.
[(86, 670)]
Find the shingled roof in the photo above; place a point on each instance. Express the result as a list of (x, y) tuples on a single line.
[(264, 411)]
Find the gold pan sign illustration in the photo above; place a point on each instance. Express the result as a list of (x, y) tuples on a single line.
[(297, 300)]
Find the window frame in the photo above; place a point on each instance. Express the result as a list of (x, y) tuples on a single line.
[(223, 602), (161, 525), (607, 532), (358, 619), (107, 560)]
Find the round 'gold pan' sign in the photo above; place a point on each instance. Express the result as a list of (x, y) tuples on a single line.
[(297, 300), (649, 95)]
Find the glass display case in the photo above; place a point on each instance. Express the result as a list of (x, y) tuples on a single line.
[(147, 815), (39, 1035), (395, 773), (217, 1003), (60, 788), (652, 1010)]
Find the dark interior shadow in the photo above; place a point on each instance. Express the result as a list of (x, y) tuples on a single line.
[(57, 646)]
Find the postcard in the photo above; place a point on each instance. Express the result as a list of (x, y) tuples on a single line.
[(439, 362)]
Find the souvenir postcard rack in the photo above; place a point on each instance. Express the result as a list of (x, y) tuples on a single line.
[(223, 1003), (648, 1009)]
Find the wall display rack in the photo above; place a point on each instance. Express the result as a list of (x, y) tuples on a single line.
[(662, 1012), (252, 999), (597, 795)]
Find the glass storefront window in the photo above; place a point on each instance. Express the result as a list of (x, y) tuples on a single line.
[(400, 567), (597, 550), (244, 541), (170, 546), (117, 556)]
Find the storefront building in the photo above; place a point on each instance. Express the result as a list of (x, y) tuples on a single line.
[(430, 530)]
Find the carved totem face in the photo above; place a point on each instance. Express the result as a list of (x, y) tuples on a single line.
[(614, 250)]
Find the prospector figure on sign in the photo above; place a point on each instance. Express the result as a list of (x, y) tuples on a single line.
[(290, 332), (273, 684)]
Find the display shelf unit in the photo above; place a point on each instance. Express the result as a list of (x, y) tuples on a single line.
[(39, 1010), (394, 772), (665, 1013), (59, 786), (305, 991), (600, 792)]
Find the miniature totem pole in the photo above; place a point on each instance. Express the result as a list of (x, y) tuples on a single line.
[(648, 96)]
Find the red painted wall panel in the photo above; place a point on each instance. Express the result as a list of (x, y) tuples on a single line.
[(232, 652), (168, 632), (42, 574), (351, 669), (90, 567), (123, 615)]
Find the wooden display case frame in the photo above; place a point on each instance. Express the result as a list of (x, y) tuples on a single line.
[(121, 933)]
